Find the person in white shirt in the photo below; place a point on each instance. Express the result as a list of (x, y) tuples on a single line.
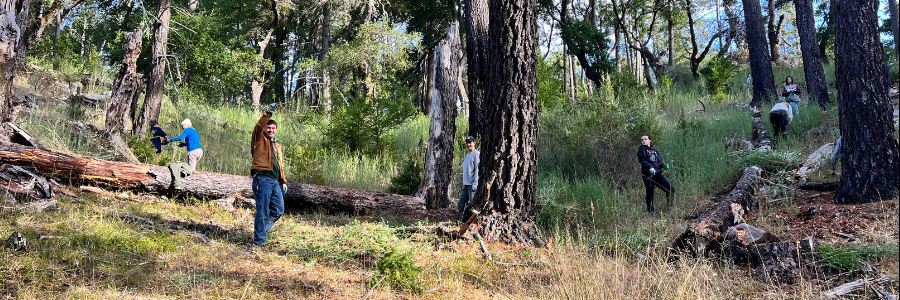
[(780, 116)]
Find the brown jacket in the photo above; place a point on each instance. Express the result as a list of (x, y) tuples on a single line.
[(261, 149)]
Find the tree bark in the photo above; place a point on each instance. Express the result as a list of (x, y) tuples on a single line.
[(869, 153), (13, 19), (477, 54), (701, 233), (812, 66), (278, 58), (760, 63), (895, 25), (156, 82), (435, 185), (158, 179), (126, 86), (774, 32), (670, 35), (508, 156), (259, 77)]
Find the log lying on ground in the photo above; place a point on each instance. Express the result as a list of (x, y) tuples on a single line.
[(857, 285), (704, 230), (761, 139), (787, 262), (819, 186), (158, 179), (815, 161)]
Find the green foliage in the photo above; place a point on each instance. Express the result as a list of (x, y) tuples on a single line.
[(397, 270), (409, 176), (550, 92), (718, 74), (145, 152), (772, 161), (852, 257), (361, 125), (584, 39), (303, 163)]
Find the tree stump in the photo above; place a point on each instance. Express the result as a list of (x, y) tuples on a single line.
[(787, 262), (127, 86)]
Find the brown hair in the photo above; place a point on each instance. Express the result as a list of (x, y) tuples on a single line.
[(272, 122)]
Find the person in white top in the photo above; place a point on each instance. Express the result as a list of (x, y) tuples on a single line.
[(780, 116)]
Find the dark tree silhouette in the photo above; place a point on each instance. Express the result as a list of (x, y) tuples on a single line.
[(871, 166), (812, 66), (476, 47), (760, 62)]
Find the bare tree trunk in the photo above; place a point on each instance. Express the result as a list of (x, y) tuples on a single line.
[(157, 80), (618, 50), (774, 32), (477, 54), (278, 58), (895, 25), (760, 63), (260, 78), (13, 19), (325, 101), (435, 185), (127, 85), (671, 38), (869, 151), (508, 156), (812, 66)]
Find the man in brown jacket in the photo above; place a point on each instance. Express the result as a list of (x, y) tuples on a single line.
[(268, 176)]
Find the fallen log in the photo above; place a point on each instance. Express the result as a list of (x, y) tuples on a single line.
[(819, 186), (703, 231), (856, 285), (787, 262), (761, 139), (210, 185), (815, 161)]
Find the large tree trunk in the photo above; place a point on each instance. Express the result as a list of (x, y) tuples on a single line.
[(435, 185), (33, 28), (278, 58), (869, 153), (812, 66), (508, 156), (477, 56), (260, 75), (12, 22), (760, 63), (126, 86), (158, 179), (156, 82), (774, 32)]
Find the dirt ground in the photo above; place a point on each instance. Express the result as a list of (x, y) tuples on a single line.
[(812, 214)]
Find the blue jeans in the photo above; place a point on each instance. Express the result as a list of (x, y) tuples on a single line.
[(465, 196), (269, 206)]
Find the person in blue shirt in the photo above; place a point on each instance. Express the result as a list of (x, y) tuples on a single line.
[(191, 139), (159, 138)]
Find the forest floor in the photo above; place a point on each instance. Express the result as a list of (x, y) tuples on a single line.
[(92, 247)]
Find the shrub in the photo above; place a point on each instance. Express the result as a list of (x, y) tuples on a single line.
[(145, 152), (397, 270), (718, 74), (851, 258), (409, 177)]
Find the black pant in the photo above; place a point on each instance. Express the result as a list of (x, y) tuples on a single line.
[(650, 182), (780, 121)]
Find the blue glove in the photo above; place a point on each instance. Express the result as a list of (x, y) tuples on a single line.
[(652, 171), (665, 166)]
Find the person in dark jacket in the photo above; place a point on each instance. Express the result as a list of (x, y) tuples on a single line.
[(651, 165), (159, 138)]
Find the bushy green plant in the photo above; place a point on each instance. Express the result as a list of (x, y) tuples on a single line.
[(851, 258), (550, 92), (304, 164), (772, 161), (145, 152), (718, 74), (398, 271), (408, 177), (362, 125)]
